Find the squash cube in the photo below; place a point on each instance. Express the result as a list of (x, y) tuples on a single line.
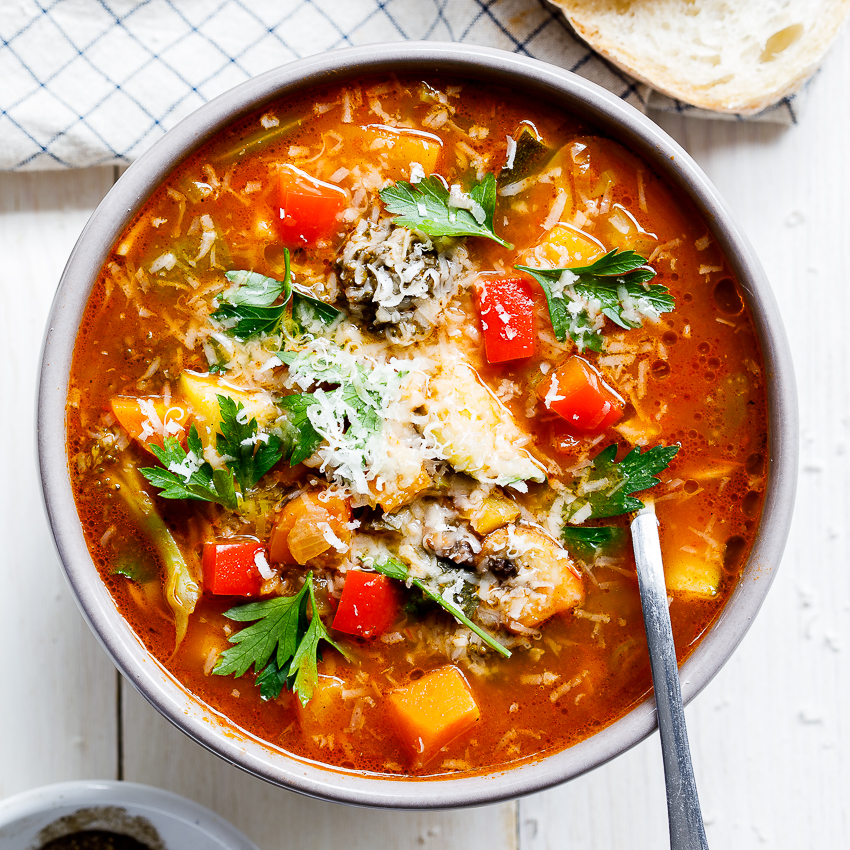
[(692, 565), (564, 246), (400, 147), (324, 711), (494, 512), (432, 712), (202, 391), (692, 574)]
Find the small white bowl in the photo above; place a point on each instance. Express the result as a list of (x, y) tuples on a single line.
[(160, 819)]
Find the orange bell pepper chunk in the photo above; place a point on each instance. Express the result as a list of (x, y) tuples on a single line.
[(308, 527), (148, 420), (432, 712)]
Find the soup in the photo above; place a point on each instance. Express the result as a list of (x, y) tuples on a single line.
[(363, 399)]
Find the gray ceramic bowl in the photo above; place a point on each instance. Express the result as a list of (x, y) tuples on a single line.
[(539, 80)]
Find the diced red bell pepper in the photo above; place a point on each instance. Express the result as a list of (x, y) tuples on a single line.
[(307, 207), (230, 567), (506, 307), (368, 606), (577, 392)]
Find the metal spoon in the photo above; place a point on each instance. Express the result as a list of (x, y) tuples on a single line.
[(683, 811)]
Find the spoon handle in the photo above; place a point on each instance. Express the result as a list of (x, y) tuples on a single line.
[(686, 826)]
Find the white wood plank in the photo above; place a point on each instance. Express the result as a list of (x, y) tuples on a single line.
[(157, 753), (770, 742), (58, 710), (769, 736)]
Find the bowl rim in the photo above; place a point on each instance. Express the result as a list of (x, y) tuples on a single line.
[(606, 112)]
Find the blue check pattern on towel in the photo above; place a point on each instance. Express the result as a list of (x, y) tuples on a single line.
[(96, 82)]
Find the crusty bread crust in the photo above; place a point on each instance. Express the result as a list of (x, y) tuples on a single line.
[(734, 56)]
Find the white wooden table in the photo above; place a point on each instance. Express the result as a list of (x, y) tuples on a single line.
[(771, 743)]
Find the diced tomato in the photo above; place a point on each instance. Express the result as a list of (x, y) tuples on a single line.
[(506, 307), (148, 419), (577, 392), (230, 567), (368, 606), (307, 208), (307, 527)]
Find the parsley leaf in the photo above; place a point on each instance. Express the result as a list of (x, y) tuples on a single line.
[(394, 568), (188, 476), (282, 644), (587, 543), (573, 295), (272, 680), (616, 262), (605, 486), (308, 312), (257, 304), (249, 307), (250, 452), (304, 439), (424, 206), (304, 663), (361, 414)]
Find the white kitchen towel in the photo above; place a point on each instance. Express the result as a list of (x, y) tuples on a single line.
[(95, 82)]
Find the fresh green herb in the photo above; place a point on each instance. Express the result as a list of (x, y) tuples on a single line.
[(588, 543), (251, 453), (248, 454), (250, 307), (604, 487), (530, 156), (308, 312), (425, 206), (347, 401), (617, 263), (394, 568), (304, 437), (188, 476), (605, 286), (217, 369), (282, 644), (257, 304)]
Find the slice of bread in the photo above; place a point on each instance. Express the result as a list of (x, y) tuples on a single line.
[(737, 56)]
